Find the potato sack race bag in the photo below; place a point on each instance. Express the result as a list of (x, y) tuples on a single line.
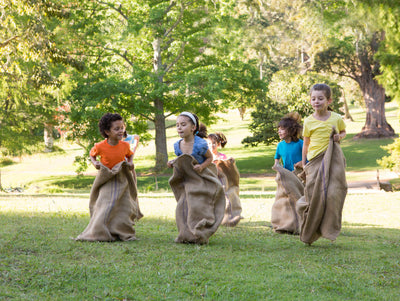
[(284, 218), (200, 200), (113, 205), (229, 176), (320, 209)]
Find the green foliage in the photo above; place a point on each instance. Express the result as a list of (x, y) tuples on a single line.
[(391, 161), (288, 92), (31, 64), (293, 90), (151, 59), (265, 117)]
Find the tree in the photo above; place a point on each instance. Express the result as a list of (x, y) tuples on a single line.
[(349, 50), (152, 59), (30, 69), (288, 92)]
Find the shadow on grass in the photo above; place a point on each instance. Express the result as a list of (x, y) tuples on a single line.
[(83, 184), (361, 154)]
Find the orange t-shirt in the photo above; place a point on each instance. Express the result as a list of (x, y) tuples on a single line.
[(111, 155)]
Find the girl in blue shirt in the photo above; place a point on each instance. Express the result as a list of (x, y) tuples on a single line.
[(192, 142), (289, 150)]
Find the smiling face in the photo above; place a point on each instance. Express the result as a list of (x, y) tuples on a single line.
[(116, 132), (185, 127), (319, 101)]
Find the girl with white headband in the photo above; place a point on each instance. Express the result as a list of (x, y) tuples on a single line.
[(192, 142), (200, 198)]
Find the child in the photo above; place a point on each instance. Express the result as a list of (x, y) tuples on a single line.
[(291, 146), (198, 192), (133, 141), (113, 202), (318, 126), (192, 142), (112, 149), (214, 141), (320, 209), (229, 176)]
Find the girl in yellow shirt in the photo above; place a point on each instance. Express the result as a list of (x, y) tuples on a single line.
[(318, 126)]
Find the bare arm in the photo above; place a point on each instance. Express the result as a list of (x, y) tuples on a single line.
[(306, 144), (95, 163), (136, 138), (130, 162), (340, 136), (209, 158)]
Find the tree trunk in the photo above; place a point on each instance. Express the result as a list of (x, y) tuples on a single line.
[(346, 107), (161, 137), (376, 125), (48, 137), (242, 111), (159, 122)]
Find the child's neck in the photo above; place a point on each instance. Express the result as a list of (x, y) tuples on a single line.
[(112, 141), (288, 139), (188, 139), (322, 116)]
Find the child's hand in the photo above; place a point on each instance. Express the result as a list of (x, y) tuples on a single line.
[(130, 165), (197, 168), (170, 164), (299, 164), (336, 138), (96, 164)]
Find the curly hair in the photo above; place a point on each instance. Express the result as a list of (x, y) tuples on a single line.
[(218, 138), (291, 122), (106, 121)]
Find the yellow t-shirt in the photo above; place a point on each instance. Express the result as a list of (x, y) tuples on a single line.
[(319, 132)]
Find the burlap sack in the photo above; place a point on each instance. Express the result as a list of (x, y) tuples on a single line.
[(229, 177), (200, 200), (284, 218), (113, 205), (320, 209)]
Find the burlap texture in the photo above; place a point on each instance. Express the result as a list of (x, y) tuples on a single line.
[(229, 177), (320, 209), (284, 218), (200, 200), (113, 205)]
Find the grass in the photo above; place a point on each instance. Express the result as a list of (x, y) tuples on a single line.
[(40, 261)]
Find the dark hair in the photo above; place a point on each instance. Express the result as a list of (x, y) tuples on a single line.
[(291, 122), (106, 122), (201, 129), (218, 138), (324, 88)]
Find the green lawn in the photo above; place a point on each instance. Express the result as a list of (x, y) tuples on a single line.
[(40, 261)]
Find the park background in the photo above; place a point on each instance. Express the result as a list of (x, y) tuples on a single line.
[(239, 65)]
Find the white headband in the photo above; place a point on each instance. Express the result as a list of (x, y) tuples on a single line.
[(190, 115)]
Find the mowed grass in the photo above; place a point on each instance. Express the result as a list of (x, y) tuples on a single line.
[(40, 260)]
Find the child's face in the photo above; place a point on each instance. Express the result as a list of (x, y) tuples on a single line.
[(184, 127), (319, 102), (283, 133), (116, 131), (212, 146)]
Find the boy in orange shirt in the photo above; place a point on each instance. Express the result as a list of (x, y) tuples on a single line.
[(111, 150)]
